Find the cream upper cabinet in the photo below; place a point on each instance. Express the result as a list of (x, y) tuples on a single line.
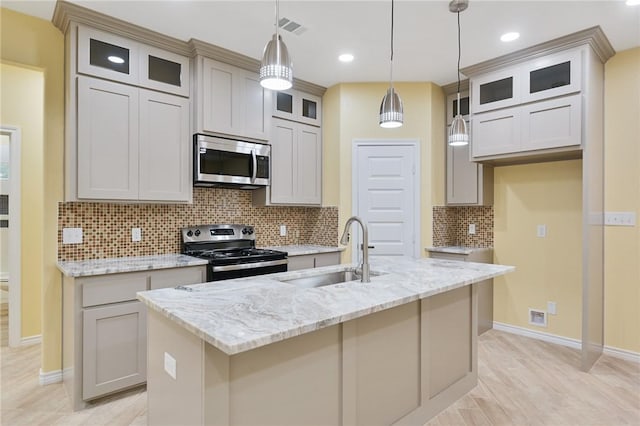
[(452, 106), (532, 111), (164, 71), (298, 106), (231, 102), (296, 166)]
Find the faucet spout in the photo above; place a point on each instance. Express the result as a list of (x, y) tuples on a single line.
[(344, 240)]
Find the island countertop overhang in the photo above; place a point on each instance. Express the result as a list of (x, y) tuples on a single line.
[(243, 314)]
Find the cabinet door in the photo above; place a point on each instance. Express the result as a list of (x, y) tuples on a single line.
[(165, 147), (114, 348), (106, 55), (220, 108), (284, 104), (495, 132), (555, 123), (462, 176), (551, 76), (297, 263), (495, 90), (327, 259), (283, 160), (452, 105), (308, 165), (255, 102), (107, 140), (164, 71), (310, 108)]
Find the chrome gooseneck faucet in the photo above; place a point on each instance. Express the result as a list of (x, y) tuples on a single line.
[(344, 240)]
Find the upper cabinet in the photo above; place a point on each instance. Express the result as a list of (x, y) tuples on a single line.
[(127, 120), (532, 105), (231, 102), (298, 106)]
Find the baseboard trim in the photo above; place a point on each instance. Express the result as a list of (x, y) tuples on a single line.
[(50, 377), (31, 340), (564, 341)]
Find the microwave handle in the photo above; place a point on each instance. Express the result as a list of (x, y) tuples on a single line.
[(254, 160)]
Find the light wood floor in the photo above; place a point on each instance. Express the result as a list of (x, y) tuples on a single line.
[(521, 382)]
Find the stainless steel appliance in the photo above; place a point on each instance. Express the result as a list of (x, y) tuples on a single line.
[(227, 162), (231, 251)]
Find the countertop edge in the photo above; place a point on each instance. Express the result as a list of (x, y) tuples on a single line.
[(96, 267)]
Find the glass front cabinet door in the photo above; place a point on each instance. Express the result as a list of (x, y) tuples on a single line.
[(164, 71), (552, 76), (298, 106), (499, 89)]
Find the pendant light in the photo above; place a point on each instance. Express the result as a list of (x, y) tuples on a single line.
[(458, 134), (276, 70), (391, 112)]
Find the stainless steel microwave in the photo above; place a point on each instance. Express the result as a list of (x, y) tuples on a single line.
[(228, 162)]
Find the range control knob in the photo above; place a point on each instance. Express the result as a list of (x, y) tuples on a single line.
[(249, 231), (245, 231), (197, 232), (189, 233)]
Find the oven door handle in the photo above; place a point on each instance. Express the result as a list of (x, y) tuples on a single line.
[(251, 265), (254, 160)]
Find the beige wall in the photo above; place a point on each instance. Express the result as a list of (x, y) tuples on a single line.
[(622, 193), (351, 112), (22, 106), (32, 42)]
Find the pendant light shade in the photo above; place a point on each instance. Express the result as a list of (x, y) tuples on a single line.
[(276, 70), (391, 111), (458, 133)]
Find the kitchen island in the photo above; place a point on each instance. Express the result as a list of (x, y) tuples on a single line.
[(258, 350)]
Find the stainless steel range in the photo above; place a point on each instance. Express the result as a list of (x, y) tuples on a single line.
[(231, 251)]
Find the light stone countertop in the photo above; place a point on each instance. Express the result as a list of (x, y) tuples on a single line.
[(86, 268), (243, 314), (457, 249), (304, 249)]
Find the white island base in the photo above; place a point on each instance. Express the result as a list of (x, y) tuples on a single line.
[(398, 366)]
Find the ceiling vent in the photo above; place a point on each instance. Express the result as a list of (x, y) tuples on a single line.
[(291, 26)]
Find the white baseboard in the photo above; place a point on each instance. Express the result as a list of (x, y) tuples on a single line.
[(31, 340), (50, 377), (564, 341)]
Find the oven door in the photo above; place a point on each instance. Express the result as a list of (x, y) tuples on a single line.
[(220, 162), (227, 272)]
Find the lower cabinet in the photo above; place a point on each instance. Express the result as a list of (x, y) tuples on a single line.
[(105, 329), (309, 261)]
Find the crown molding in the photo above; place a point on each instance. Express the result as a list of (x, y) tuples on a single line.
[(452, 88), (593, 36)]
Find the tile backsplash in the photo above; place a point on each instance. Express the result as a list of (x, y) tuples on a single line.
[(107, 227), (451, 226)]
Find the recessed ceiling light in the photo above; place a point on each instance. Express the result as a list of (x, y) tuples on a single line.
[(509, 36), (633, 2), (116, 59), (345, 57)]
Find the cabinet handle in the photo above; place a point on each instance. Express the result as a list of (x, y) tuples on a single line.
[(255, 165)]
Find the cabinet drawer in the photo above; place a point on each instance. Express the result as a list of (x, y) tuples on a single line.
[(327, 259), (112, 289), (300, 262), (178, 276)]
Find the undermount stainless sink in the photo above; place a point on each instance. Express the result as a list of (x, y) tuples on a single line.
[(329, 278)]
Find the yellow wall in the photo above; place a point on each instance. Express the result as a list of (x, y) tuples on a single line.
[(622, 193), (37, 43), (547, 269), (351, 112), (22, 106)]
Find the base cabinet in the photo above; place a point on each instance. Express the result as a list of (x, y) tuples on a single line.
[(309, 261), (104, 340)]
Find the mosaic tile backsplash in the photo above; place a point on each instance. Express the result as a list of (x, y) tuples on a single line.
[(107, 227), (451, 226)]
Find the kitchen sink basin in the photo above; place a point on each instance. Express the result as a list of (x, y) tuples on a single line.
[(329, 278)]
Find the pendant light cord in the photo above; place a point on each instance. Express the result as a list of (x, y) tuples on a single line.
[(391, 67), (278, 21), (459, 53)]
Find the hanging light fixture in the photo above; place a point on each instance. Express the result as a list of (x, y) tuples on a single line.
[(458, 134), (391, 112), (276, 70)]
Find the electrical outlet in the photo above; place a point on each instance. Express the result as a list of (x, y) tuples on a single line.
[(170, 365), (472, 229), (541, 231), (537, 317), (136, 234), (620, 218), (71, 235), (551, 308), (283, 230)]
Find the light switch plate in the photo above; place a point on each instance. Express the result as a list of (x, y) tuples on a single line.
[(71, 235), (136, 234), (620, 218), (170, 365), (541, 231), (472, 229), (283, 230)]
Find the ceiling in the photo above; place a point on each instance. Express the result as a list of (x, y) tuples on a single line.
[(425, 31)]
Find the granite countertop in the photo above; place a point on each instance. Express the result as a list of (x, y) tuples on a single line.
[(302, 249), (246, 313), (85, 268), (457, 249)]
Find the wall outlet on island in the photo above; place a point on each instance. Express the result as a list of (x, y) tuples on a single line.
[(472, 229)]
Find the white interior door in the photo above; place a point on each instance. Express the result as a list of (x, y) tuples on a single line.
[(386, 197)]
